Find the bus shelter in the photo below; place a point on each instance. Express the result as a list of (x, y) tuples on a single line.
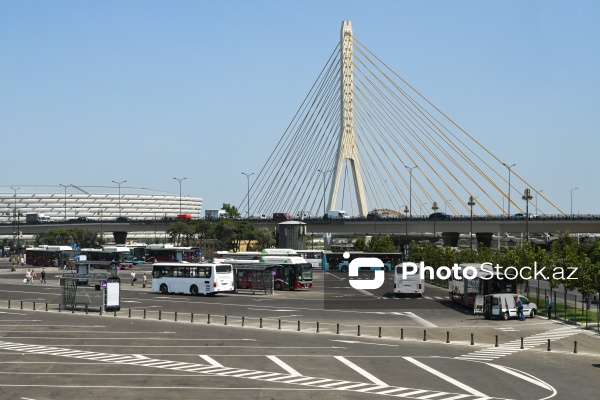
[(91, 290), (253, 277)]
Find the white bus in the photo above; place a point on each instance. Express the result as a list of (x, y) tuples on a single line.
[(194, 278), (413, 284), (315, 257)]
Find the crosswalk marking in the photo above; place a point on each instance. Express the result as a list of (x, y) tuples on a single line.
[(492, 353), (314, 381)]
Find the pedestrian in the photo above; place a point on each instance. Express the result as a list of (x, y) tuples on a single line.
[(520, 309), (549, 306), (64, 265), (144, 280), (43, 276), (27, 276), (133, 278), (32, 276)]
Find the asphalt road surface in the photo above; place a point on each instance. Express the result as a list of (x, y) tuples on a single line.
[(402, 350)]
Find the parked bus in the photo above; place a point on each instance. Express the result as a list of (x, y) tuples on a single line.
[(315, 257), (193, 278), (138, 252), (170, 253), (337, 262), (414, 283), (242, 255), (108, 257), (291, 272), (470, 292), (44, 256)]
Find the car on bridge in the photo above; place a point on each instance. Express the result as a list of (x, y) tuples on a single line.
[(524, 216), (439, 216)]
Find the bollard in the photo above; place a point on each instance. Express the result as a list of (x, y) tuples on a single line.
[(175, 316), (472, 339), (34, 306), (86, 309), (9, 304), (402, 333), (298, 326), (575, 348), (208, 319), (242, 321), (260, 322), (115, 312), (317, 326), (159, 315), (73, 309), (100, 309), (424, 335), (46, 306), (522, 343), (192, 317), (130, 313), (358, 333), (278, 324), (447, 337), (379, 331), (21, 305), (59, 307), (225, 320), (549, 346), (496, 345), (337, 329), (144, 314)]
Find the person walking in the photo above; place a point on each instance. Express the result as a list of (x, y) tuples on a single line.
[(27, 276), (133, 278), (33, 275), (144, 278), (43, 276), (549, 306)]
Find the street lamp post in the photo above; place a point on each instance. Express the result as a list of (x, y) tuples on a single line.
[(471, 203), (65, 186), (324, 189), (410, 170), (406, 210), (178, 179), (527, 197), (248, 175), (509, 171), (119, 184), (572, 216), (434, 207), (18, 229)]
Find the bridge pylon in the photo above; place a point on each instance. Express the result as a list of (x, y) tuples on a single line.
[(347, 149)]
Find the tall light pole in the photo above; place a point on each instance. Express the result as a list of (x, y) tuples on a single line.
[(324, 188), (572, 216), (509, 171), (65, 186), (119, 184), (248, 175), (471, 203), (536, 194), (527, 197), (434, 207), (178, 179), (410, 170), (406, 210), (18, 227)]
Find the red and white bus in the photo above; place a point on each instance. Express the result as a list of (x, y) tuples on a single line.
[(108, 257), (486, 281), (43, 256), (170, 253)]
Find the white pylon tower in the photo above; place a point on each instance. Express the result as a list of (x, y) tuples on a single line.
[(347, 148)]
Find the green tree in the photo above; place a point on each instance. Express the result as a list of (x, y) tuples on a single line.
[(264, 238), (381, 244), (232, 211), (360, 244)]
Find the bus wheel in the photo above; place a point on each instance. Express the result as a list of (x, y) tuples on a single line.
[(164, 289), (194, 290), (278, 286), (505, 316), (345, 268)]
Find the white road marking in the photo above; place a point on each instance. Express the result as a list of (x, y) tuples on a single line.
[(285, 366), (445, 377), (211, 361), (523, 376), (361, 371)]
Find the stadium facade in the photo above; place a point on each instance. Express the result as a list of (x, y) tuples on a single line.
[(62, 203)]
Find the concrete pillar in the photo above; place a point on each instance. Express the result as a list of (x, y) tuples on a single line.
[(120, 237), (484, 238), (450, 238)]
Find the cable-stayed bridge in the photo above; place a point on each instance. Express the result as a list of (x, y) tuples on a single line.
[(364, 139)]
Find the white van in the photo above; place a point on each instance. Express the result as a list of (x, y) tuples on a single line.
[(337, 214), (504, 306)]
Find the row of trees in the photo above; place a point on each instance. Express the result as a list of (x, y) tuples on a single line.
[(555, 264)]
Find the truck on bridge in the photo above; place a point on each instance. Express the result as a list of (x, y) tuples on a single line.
[(35, 218)]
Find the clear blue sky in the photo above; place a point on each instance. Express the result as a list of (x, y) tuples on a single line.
[(145, 91)]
